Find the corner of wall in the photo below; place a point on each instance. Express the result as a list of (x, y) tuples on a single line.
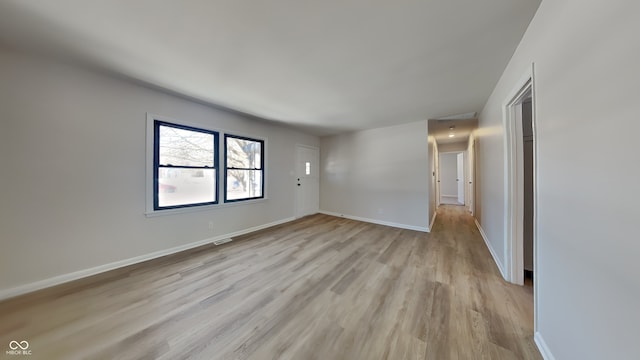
[(375, 221)]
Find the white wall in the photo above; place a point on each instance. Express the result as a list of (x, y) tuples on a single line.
[(451, 147), (449, 174), (586, 56), (380, 174), (73, 184)]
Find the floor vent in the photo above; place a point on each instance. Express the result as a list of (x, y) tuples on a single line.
[(222, 241)]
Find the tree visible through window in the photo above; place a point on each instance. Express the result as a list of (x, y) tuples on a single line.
[(244, 168), (185, 166)]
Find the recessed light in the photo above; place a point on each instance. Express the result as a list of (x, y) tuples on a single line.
[(451, 135)]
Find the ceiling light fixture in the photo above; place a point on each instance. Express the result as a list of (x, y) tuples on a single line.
[(451, 135)]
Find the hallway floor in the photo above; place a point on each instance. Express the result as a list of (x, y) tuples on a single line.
[(491, 313)]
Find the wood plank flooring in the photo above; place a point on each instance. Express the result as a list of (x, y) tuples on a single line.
[(320, 287)]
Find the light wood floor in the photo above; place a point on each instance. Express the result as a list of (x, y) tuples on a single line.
[(318, 288)]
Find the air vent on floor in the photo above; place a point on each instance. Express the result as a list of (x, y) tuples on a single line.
[(222, 241)]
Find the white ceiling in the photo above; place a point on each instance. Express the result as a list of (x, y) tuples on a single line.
[(327, 66), (462, 128)]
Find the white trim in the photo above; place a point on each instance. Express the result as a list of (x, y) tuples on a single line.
[(379, 222), (60, 279), (534, 129), (513, 173), (514, 188), (496, 259), (451, 196), (542, 347), (433, 220)]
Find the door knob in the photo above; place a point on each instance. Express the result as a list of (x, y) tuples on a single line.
[(298, 184)]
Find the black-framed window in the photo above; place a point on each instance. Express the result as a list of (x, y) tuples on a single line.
[(244, 168), (185, 166)]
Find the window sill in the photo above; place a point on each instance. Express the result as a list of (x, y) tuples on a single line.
[(156, 213)]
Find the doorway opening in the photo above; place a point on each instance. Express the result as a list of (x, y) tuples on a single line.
[(452, 177), (521, 249), (520, 175), (521, 198), (528, 191)]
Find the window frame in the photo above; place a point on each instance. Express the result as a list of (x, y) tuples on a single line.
[(261, 169), (157, 123)]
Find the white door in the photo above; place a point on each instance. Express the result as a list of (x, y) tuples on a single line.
[(307, 181), (460, 178), (437, 159), (472, 172)]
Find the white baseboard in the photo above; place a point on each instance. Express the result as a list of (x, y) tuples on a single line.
[(433, 220), (60, 279), (542, 346), (379, 222), (496, 259)]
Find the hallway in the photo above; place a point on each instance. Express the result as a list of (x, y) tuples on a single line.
[(494, 316), (320, 287)]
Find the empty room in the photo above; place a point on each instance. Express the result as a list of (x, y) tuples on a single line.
[(208, 179)]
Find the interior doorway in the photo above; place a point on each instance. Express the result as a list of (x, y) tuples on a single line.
[(471, 177), (452, 175), (528, 191), (520, 184), (460, 177)]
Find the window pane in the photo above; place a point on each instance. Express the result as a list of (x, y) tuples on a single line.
[(185, 186), (180, 147), (242, 184), (307, 168), (244, 153)]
